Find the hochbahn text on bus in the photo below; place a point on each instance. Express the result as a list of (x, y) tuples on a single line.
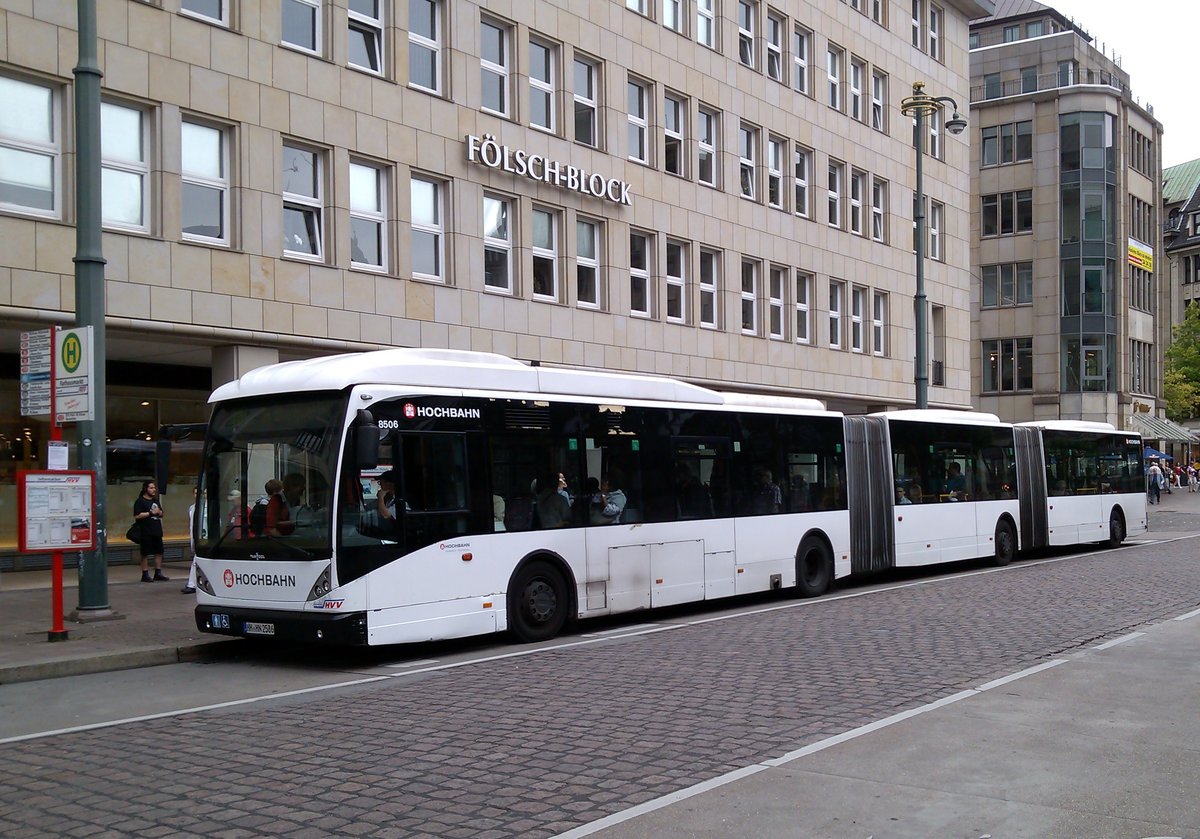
[(410, 495)]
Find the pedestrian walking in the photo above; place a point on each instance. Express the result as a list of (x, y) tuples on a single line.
[(190, 587), (1154, 478), (147, 514)]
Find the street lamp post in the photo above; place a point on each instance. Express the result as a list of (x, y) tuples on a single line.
[(918, 106)]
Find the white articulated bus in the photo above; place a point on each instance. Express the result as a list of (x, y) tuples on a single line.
[(411, 495)]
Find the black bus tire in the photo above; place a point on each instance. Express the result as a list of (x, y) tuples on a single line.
[(814, 568), (538, 602), (1116, 529), (1006, 543)]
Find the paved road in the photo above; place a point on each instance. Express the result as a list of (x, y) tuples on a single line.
[(540, 743)]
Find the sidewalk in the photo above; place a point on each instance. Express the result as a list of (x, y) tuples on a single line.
[(157, 625), (154, 626)]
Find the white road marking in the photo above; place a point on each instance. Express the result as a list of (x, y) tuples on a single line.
[(419, 663), (1187, 615), (1114, 642)]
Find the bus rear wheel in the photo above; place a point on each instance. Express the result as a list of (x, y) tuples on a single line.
[(538, 602), (814, 568), (1116, 529), (1006, 543)]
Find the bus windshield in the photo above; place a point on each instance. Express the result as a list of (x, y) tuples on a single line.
[(267, 476)]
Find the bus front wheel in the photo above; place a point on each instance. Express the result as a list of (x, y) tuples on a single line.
[(814, 568), (1116, 529), (538, 602), (1006, 543)]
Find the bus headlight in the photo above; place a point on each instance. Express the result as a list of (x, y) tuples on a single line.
[(202, 582), (321, 586)]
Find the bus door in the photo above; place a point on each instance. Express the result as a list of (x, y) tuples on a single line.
[(433, 499)]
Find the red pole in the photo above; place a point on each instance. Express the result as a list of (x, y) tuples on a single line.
[(56, 632)]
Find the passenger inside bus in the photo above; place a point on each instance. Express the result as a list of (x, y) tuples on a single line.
[(956, 483), (553, 509)]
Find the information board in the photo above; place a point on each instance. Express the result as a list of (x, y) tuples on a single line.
[(55, 510), (36, 358)]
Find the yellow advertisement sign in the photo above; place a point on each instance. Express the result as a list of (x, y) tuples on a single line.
[(1141, 256)]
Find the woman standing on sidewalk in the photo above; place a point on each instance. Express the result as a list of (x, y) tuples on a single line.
[(148, 512)]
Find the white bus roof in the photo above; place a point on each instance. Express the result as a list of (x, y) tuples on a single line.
[(1074, 425), (479, 371), (942, 415)]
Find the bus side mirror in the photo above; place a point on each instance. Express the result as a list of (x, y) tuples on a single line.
[(366, 441)]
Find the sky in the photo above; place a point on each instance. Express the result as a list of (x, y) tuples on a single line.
[(1154, 41)]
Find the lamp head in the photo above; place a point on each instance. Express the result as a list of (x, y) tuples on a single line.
[(957, 123)]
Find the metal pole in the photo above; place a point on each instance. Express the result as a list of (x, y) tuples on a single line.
[(89, 296), (921, 362)]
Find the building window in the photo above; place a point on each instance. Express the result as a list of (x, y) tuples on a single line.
[(427, 228), (1012, 33), (672, 15), (747, 145), (364, 26), (368, 217), (1141, 366), (804, 284), (204, 166), (706, 144), (213, 11), (1008, 284), (918, 21), (1007, 143), (30, 153), (991, 86), (858, 186), (935, 135), (749, 297), (425, 44), (878, 210), (858, 71), (585, 102), (1034, 29), (802, 166), (776, 155), (1085, 366), (858, 306), (775, 30), (1008, 365), (301, 24), (124, 171), (1028, 79), (879, 100), (973, 41), (639, 273), (638, 121), (936, 16), (674, 110), (541, 86), (801, 50), (587, 262), (836, 290), (1141, 285), (545, 254), (833, 75), (706, 29), (879, 301), (638, 6), (1007, 212), (709, 276), (937, 216), (303, 204), (676, 280), (775, 285), (497, 244), (834, 203), (494, 59), (877, 11), (747, 12)]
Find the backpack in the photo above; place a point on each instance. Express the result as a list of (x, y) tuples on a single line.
[(258, 516)]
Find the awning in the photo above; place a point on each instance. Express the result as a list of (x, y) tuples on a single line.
[(1149, 453), (1154, 428)]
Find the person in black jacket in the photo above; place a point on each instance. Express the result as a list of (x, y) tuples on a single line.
[(148, 512)]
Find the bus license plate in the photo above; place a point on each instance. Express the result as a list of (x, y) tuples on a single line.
[(260, 628)]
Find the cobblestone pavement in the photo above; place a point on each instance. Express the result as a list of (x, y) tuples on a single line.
[(535, 745)]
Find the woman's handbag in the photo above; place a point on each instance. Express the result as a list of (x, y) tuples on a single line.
[(134, 533)]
